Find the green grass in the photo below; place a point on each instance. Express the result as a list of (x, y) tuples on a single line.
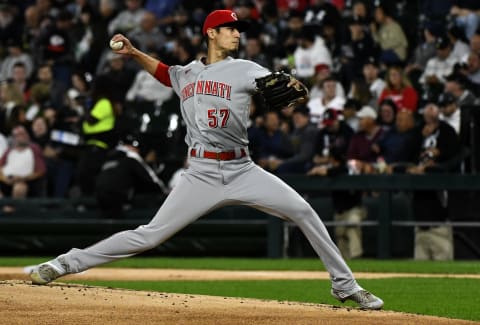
[(453, 298), (407, 266)]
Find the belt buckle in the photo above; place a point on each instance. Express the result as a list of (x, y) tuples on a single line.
[(217, 156)]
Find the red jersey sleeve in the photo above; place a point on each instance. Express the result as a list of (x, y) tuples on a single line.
[(161, 74)]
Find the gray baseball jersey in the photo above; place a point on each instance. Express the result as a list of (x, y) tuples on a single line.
[(215, 102)]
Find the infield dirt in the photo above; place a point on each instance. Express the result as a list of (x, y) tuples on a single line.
[(59, 303)]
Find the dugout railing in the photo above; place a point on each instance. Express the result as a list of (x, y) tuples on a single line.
[(71, 217)]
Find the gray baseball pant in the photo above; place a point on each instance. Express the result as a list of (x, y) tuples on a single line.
[(207, 185)]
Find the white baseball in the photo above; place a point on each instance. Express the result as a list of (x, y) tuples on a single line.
[(116, 45)]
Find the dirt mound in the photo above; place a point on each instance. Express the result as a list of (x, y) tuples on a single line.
[(145, 274), (57, 303)]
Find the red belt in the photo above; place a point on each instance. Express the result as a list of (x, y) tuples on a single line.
[(224, 155)]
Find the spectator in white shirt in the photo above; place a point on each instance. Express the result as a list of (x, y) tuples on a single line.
[(370, 73), (441, 65), (310, 52), (330, 99)]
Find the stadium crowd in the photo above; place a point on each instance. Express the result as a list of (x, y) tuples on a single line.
[(394, 88)]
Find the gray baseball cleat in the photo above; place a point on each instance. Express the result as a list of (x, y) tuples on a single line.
[(47, 272), (362, 297)]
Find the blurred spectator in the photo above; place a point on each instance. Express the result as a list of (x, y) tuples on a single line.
[(465, 13), (123, 175), (399, 90), (310, 52), (456, 84), (439, 147), (11, 107), (424, 51), (330, 159), (55, 88), (330, 99), (21, 167), (363, 146), (303, 141), (389, 36), (272, 143), (10, 26), (439, 66), (284, 6), (350, 109), (3, 144), (20, 80), (322, 12), (254, 52), (475, 43), (473, 68), (120, 75), (376, 85), (401, 144), (331, 143), (127, 19), (449, 111), (161, 8), (387, 111), (98, 130), (15, 55), (31, 27), (322, 72), (145, 88), (148, 37), (359, 91), (459, 41), (56, 46), (358, 50)]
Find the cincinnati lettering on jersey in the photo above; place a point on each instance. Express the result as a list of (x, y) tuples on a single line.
[(207, 87)]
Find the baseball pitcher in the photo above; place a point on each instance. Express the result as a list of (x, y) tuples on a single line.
[(215, 94)]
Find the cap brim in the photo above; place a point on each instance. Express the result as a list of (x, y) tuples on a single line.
[(241, 25)]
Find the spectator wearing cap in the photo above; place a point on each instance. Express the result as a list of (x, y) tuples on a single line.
[(16, 54), (457, 85), (310, 52), (441, 65), (399, 89), (370, 71), (331, 143), (390, 37), (363, 146), (330, 159), (302, 139), (127, 19), (449, 111), (439, 147), (123, 175), (322, 72), (330, 99)]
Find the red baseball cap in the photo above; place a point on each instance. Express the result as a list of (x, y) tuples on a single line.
[(219, 18), (330, 116)]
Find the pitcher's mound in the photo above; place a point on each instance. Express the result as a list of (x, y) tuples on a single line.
[(57, 303)]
